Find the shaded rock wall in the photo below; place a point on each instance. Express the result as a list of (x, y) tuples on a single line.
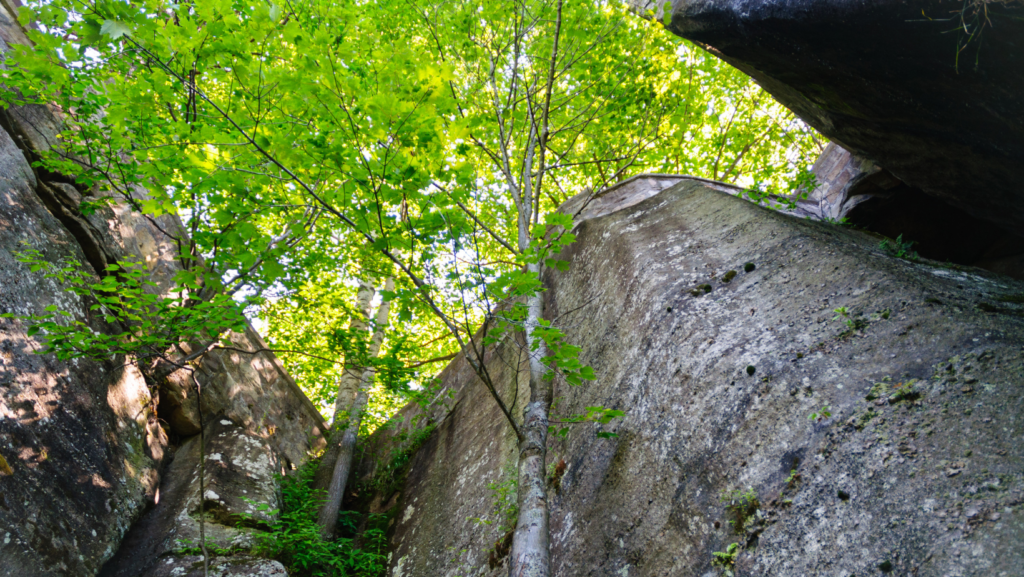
[(896, 82), (916, 465), (871, 198), (84, 445)]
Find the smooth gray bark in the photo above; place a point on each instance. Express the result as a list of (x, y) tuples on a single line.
[(530, 555), (348, 386), (328, 517)]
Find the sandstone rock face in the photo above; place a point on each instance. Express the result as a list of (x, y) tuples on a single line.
[(80, 440), (892, 442), (844, 181), (84, 445), (896, 82)]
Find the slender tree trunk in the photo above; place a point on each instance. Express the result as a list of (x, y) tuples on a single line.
[(530, 555), (328, 517), (348, 386)]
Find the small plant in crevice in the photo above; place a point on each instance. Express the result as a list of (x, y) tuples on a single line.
[(821, 414), (842, 314), (505, 508), (505, 492), (793, 479), (887, 391), (556, 470), (742, 508), (726, 560), (899, 248), (789, 488), (853, 324), (970, 23), (701, 290)]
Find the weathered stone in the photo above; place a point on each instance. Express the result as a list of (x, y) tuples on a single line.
[(896, 82), (844, 181), (870, 474), (81, 438), (237, 566), (239, 476)]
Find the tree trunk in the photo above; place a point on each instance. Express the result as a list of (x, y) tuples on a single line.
[(342, 465), (348, 386), (530, 555)]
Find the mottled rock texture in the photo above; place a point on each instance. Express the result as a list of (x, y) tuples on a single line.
[(84, 445), (238, 475), (843, 182), (236, 566), (899, 83), (914, 462)]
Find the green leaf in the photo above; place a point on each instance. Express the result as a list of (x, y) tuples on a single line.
[(114, 29), (562, 265), (272, 270)]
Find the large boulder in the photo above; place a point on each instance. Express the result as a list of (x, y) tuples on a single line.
[(887, 438), (80, 443), (230, 566), (931, 90)]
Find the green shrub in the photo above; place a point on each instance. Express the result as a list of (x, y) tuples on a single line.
[(726, 559), (899, 248), (742, 507), (294, 538)]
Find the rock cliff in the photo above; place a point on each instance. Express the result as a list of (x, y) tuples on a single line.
[(885, 440), (97, 461), (931, 91)]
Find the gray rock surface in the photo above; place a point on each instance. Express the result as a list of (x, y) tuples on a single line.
[(236, 566), (905, 432), (895, 82), (80, 439), (239, 476), (843, 182)]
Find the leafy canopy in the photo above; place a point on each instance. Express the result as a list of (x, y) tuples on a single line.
[(308, 144)]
